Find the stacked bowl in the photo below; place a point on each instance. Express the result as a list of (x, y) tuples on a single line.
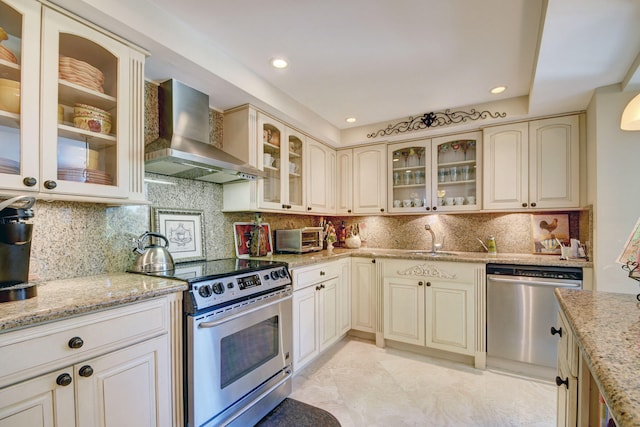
[(91, 118), (80, 73), (10, 96)]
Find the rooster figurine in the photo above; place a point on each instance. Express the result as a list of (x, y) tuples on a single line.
[(549, 226)]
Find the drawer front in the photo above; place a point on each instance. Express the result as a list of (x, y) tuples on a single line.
[(447, 271), (38, 349), (307, 276)]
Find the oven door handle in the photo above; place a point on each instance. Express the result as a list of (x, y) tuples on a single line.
[(242, 313)]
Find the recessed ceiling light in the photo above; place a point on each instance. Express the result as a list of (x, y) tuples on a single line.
[(350, 120), (498, 89), (279, 63)]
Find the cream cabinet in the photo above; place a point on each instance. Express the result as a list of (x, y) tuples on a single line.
[(320, 178), (568, 371), (363, 294), (52, 148), (532, 165), (434, 304), (344, 178), (109, 368), (439, 174), (370, 179), (318, 309)]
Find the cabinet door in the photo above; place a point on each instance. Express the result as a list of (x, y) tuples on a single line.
[(363, 296), (40, 402), (305, 326), (344, 170), (554, 176), (450, 316), (404, 310), (320, 178), (567, 397), (274, 161), (506, 169), (84, 152), (456, 172), (130, 387), (369, 179), (294, 152), (19, 122), (409, 180), (344, 297), (328, 303)]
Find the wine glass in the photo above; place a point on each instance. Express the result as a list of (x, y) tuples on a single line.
[(405, 154), (443, 148), (455, 146), (419, 153)]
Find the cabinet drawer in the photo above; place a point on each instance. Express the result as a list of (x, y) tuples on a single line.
[(38, 349), (307, 276)]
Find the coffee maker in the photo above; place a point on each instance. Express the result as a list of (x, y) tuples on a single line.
[(15, 249)]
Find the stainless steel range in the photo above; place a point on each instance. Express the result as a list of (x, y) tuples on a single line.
[(238, 340)]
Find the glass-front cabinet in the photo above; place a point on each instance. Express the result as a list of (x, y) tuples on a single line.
[(456, 173), (409, 184), (19, 94), (71, 108), (281, 157)]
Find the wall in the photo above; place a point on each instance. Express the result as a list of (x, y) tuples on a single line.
[(79, 239), (613, 177)]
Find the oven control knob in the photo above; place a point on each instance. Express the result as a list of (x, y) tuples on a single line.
[(283, 273), (217, 288), (205, 291), (274, 275)]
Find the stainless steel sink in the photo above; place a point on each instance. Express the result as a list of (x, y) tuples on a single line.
[(430, 253)]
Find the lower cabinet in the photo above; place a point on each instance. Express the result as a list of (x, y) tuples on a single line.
[(363, 294), (321, 309), (102, 369), (433, 304)]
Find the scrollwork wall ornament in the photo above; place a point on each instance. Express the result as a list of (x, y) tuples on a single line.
[(427, 270), (434, 119)]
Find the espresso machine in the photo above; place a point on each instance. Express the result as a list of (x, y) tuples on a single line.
[(15, 249)]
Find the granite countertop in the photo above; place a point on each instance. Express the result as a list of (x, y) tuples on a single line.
[(58, 299), (299, 260), (607, 329)]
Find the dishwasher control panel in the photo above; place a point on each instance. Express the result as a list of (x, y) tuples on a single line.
[(537, 271)]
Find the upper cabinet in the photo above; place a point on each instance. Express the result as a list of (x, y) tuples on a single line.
[(299, 171), (532, 165), (435, 175), (370, 179), (77, 134), (344, 174)]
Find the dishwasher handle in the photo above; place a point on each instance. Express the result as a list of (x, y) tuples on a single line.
[(533, 281)]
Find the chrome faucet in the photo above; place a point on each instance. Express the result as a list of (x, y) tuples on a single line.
[(433, 237)]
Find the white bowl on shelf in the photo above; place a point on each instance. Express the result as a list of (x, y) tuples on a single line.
[(77, 156)]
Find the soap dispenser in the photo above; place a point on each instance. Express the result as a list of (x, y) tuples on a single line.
[(491, 246)]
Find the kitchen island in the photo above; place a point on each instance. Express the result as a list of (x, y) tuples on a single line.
[(606, 328)]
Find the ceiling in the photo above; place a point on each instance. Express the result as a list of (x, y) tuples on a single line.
[(383, 60)]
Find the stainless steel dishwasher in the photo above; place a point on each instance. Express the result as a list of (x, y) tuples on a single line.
[(521, 309)]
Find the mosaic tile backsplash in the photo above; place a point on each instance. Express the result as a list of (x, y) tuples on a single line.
[(79, 239)]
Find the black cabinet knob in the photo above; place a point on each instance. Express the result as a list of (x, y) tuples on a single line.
[(76, 342), (373, 261), (50, 185), (428, 283), (29, 181), (86, 371), (435, 208), (560, 381), (322, 273), (556, 331), (533, 205), (348, 210), (420, 283), (428, 208), (309, 208), (64, 380), (524, 205), (381, 209)]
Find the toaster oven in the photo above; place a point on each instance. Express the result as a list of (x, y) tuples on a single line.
[(300, 240)]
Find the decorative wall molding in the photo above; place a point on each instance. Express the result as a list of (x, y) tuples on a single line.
[(427, 270), (439, 118)]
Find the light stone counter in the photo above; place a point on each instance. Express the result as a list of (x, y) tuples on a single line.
[(607, 329), (58, 299), (295, 260)]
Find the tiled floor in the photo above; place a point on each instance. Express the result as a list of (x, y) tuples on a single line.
[(363, 385)]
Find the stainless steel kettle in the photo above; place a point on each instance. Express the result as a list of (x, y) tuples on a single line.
[(153, 258)]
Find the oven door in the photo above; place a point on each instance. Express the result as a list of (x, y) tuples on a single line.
[(236, 357)]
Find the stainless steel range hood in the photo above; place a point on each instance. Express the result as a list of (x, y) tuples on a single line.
[(182, 150)]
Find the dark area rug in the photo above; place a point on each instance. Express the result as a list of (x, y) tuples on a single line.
[(292, 413)]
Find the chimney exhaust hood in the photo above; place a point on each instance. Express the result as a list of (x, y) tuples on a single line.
[(183, 148)]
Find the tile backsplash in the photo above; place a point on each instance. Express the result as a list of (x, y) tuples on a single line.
[(80, 239)]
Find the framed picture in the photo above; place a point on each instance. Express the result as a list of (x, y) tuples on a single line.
[(185, 231), (242, 236), (549, 233)]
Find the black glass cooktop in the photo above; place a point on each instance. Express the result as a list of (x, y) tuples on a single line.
[(203, 270)]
